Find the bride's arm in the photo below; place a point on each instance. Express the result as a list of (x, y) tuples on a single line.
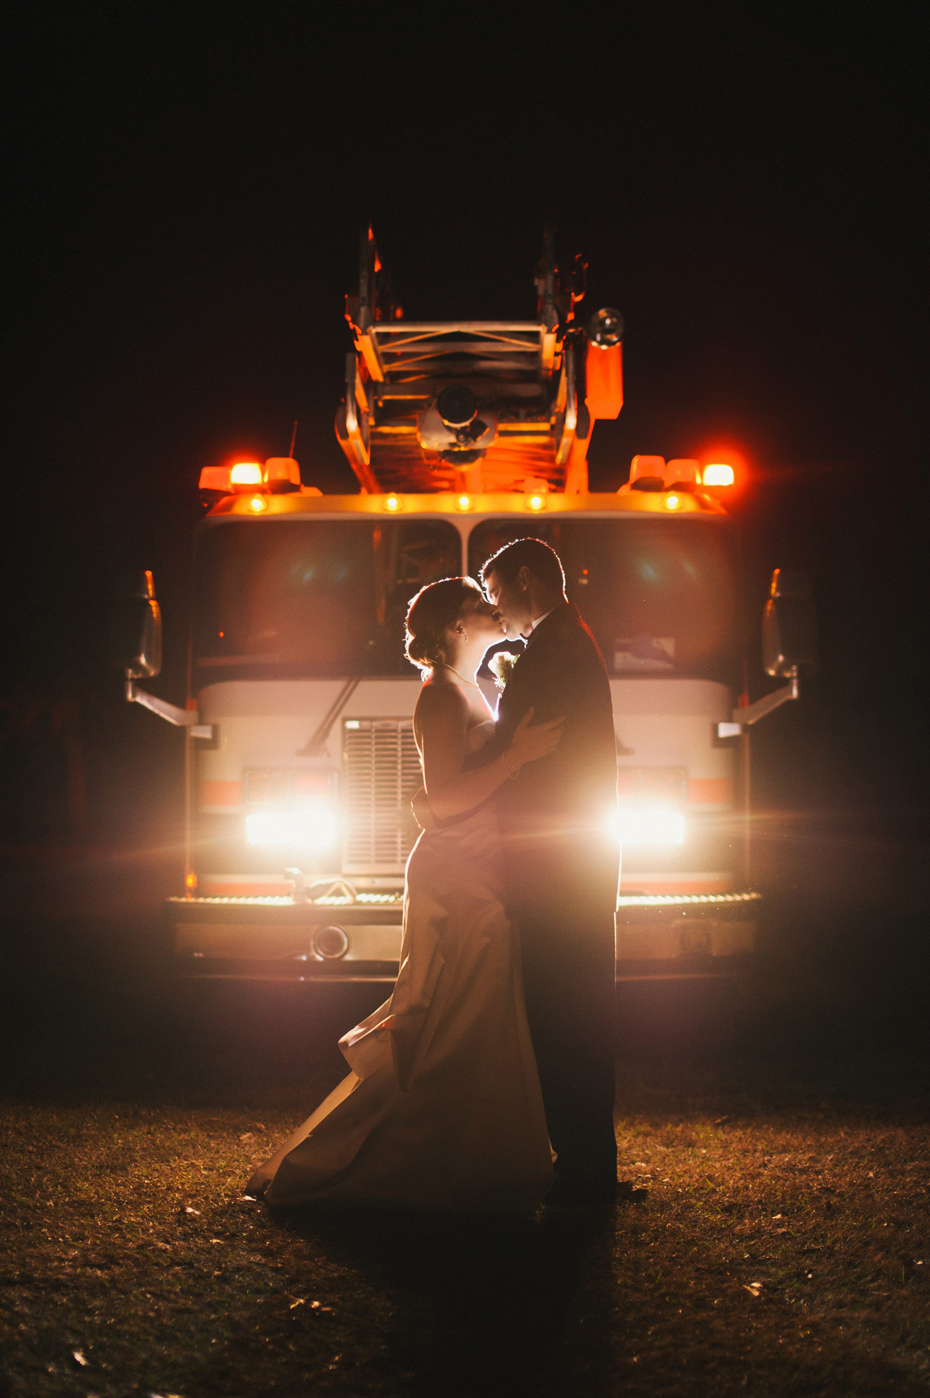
[(441, 722)]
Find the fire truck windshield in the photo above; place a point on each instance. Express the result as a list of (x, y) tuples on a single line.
[(659, 595), (314, 597)]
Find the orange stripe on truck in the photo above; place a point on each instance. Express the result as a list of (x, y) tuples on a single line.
[(216, 888), (221, 793), (710, 791)]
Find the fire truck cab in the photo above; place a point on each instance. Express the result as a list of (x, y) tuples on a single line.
[(301, 760)]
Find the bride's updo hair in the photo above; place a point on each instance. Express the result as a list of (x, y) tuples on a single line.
[(432, 612)]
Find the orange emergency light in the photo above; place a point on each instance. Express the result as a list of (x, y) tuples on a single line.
[(215, 478), (246, 474), (724, 469), (282, 471), (604, 364)]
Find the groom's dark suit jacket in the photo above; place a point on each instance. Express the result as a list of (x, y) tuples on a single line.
[(561, 870), (555, 812)]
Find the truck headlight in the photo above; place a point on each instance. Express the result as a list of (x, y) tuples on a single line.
[(649, 825), (297, 825)]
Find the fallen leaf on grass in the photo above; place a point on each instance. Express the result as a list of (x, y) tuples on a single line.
[(78, 1356), (246, 1137), (301, 1301), (754, 1288), (189, 1210)]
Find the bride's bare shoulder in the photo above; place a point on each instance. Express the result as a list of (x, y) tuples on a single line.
[(441, 698), (441, 710)]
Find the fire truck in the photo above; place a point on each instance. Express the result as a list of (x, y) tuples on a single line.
[(300, 755)]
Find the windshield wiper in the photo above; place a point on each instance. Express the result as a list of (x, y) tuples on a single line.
[(316, 746)]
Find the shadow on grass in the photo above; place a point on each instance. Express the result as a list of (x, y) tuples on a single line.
[(507, 1305)]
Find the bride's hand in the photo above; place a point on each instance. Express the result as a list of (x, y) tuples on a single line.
[(530, 743)]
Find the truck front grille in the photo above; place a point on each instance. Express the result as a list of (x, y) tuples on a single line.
[(382, 772)]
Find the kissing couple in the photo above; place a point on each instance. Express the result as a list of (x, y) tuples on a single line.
[(485, 1084)]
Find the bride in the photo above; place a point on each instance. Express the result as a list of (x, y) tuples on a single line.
[(442, 1109)]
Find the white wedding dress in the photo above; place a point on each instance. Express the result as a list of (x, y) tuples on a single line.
[(442, 1109)]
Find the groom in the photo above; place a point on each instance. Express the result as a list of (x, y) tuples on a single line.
[(561, 866)]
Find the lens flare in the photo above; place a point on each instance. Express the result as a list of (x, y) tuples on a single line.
[(641, 825), (308, 825)]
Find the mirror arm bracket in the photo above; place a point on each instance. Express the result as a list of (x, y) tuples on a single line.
[(741, 719), (181, 718)]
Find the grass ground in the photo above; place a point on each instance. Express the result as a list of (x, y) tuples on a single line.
[(784, 1248)]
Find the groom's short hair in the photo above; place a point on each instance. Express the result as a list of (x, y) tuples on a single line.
[(542, 561)]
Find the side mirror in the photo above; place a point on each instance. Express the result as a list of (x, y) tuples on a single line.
[(136, 634), (789, 624)]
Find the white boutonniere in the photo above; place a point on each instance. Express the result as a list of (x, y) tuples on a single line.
[(501, 665)]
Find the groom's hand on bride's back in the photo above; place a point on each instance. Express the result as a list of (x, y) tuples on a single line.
[(534, 740)]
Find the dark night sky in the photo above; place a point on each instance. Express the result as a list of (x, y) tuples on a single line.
[(748, 183)]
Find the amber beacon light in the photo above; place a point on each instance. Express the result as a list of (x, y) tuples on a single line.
[(246, 473), (718, 474), (604, 364)]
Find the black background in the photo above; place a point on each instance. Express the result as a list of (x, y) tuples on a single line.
[(748, 184)]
